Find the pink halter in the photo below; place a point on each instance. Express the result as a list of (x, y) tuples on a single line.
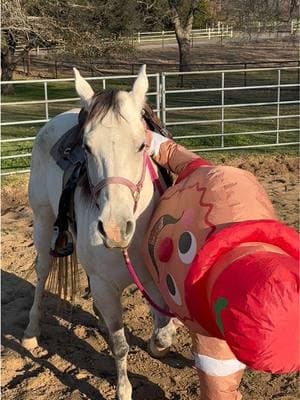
[(134, 188)]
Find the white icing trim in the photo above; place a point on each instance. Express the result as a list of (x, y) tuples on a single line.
[(215, 367)]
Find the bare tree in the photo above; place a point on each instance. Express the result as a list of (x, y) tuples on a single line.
[(245, 14), (19, 31), (182, 14), (79, 29)]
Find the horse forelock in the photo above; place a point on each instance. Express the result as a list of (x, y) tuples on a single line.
[(103, 103)]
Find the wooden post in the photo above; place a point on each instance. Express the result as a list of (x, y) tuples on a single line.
[(28, 61), (245, 74), (55, 66)]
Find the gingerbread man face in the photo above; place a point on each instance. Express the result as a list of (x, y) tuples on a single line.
[(179, 228)]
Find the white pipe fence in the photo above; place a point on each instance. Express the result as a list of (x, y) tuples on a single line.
[(220, 31), (164, 92), (223, 121), (295, 27)]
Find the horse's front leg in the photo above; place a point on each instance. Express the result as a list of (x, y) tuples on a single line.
[(43, 222), (107, 300), (164, 328)]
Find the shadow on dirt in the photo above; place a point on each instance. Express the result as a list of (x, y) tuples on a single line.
[(58, 338)]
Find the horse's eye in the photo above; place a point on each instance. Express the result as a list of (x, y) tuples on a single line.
[(142, 146)]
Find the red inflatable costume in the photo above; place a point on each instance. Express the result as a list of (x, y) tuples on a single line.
[(227, 268)]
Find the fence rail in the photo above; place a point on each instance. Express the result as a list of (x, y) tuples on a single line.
[(162, 36), (207, 110)]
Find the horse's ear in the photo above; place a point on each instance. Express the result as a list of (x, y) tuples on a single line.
[(140, 87), (83, 89)]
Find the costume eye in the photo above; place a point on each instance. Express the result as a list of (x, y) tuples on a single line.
[(187, 247), (142, 146), (173, 290)]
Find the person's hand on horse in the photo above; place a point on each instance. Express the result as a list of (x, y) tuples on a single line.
[(155, 140)]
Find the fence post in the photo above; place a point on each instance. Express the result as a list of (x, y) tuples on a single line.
[(139, 37), (163, 39), (46, 100), (223, 110), (292, 27), (219, 27), (28, 61), (158, 95), (55, 67), (245, 74), (209, 33), (24, 64), (103, 84), (278, 107), (231, 33), (163, 99)]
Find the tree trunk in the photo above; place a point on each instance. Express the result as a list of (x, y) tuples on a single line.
[(7, 70), (183, 25), (184, 47), (8, 63)]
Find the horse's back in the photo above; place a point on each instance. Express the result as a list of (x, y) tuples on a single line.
[(45, 176), (53, 130)]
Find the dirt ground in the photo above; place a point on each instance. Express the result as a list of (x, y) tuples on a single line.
[(237, 51), (79, 364)]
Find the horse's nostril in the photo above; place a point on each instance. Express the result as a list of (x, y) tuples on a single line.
[(101, 228), (129, 228)]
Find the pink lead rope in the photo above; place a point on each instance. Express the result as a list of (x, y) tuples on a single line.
[(136, 280), (140, 286)]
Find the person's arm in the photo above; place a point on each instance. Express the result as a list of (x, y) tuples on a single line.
[(171, 155)]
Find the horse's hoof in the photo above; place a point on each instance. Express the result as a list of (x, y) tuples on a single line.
[(31, 344), (156, 351)]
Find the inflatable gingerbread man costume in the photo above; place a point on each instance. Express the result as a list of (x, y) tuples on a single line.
[(227, 268)]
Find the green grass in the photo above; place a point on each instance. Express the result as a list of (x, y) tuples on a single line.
[(35, 91)]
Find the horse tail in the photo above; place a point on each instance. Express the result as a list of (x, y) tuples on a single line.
[(63, 279)]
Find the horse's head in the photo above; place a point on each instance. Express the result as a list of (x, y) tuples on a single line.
[(114, 141)]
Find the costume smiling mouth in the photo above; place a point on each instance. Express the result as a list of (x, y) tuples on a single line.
[(163, 221)]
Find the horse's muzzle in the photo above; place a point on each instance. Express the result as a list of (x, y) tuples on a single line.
[(116, 235)]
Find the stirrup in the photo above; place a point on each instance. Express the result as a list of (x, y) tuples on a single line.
[(61, 243)]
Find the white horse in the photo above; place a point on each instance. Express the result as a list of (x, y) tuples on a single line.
[(110, 218)]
